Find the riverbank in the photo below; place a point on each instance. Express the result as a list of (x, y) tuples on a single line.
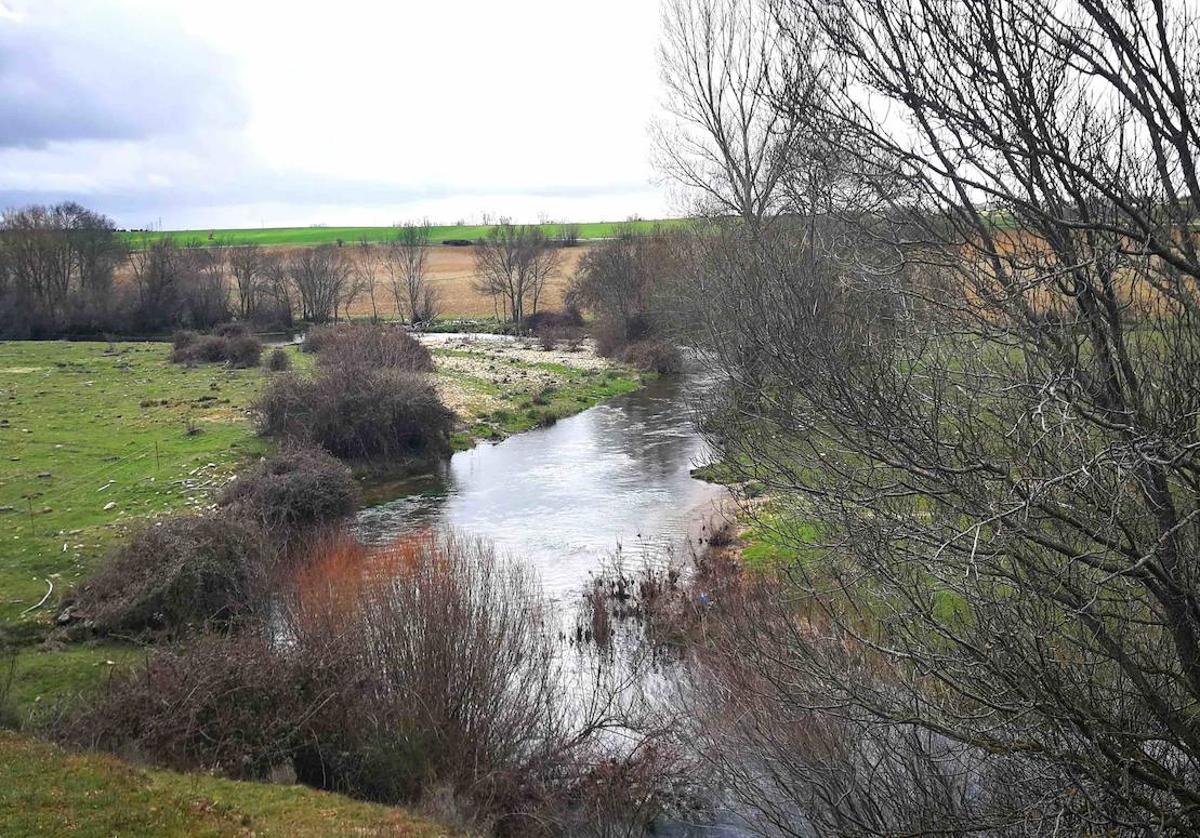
[(47, 791), (98, 437)]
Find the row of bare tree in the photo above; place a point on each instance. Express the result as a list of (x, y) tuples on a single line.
[(57, 266), (320, 283), (957, 322)]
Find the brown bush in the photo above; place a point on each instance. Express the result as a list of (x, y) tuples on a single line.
[(373, 346), (238, 349), (367, 415), (174, 574), (421, 664), (318, 337), (658, 356), (294, 489), (231, 704), (279, 361)]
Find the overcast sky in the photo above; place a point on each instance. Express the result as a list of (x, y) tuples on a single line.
[(243, 113)]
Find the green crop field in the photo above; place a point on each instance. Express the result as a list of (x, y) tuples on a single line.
[(301, 236)]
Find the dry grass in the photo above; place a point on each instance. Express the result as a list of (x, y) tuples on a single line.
[(452, 273)]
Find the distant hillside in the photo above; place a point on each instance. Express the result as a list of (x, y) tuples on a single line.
[(331, 235)]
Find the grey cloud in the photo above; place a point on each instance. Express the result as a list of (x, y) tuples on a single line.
[(75, 71)]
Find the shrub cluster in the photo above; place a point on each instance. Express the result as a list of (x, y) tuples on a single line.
[(279, 361), (417, 665), (361, 415), (212, 570), (295, 489), (177, 573), (659, 356), (554, 327), (230, 344), (371, 346)]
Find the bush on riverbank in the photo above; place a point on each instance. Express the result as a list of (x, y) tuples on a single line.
[(422, 665), (372, 415), (232, 344), (660, 356), (371, 345), (189, 571), (292, 491)]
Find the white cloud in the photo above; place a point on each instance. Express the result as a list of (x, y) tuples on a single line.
[(355, 112)]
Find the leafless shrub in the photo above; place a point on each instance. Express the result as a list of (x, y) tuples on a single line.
[(232, 704), (235, 347), (291, 491), (554, 327), (375, 415), (175, 574), (372, 346), (317, 337), (417, 669), (660, 356), (279, 361), (626, 283)]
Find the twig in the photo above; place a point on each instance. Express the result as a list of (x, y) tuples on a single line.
[(42, 601)]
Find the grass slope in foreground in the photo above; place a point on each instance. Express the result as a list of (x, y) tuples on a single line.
[(46, 791), (299, 236)]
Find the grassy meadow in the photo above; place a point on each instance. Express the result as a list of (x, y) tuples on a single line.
[(314, 235), (47, 791), (99, 437)]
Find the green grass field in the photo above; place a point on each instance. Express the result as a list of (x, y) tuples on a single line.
[(47, 791), (96, 436), (299, 236)]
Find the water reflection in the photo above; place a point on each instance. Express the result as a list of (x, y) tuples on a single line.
[(563, 498)]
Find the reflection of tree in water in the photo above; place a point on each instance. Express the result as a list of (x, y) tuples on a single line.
[(656, 432)]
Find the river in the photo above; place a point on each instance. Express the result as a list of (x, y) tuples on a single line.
[(564, 498)]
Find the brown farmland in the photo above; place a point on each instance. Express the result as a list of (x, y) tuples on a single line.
[(452, 272)]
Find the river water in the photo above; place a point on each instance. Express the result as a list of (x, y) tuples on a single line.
[(566, 497)]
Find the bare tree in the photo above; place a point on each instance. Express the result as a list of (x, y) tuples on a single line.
[(976, 396), (724, 67), (51, 252), (513, 264), (406, 260), (208, 262), (248, 264), (322, 277), (276, 290), (366, 270), (625, 283)]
